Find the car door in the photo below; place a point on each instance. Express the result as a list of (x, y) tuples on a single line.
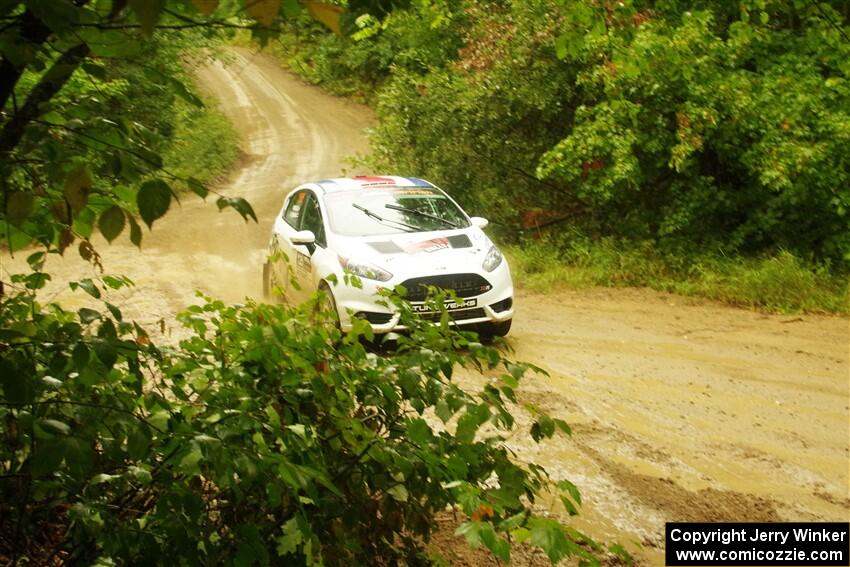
[(285, 226), (305, 255), (300, 212)]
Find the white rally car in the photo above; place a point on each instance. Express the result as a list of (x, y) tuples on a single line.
[(387, 231)]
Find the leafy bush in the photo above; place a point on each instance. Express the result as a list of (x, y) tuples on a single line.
[(698, 126), (263, 437)]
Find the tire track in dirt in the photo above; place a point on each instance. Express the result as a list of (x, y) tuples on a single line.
[(688, 410), (290, 132)]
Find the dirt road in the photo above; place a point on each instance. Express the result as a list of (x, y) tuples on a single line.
[(682, 411)]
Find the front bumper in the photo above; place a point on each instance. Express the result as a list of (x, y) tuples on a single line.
[(493, 306)]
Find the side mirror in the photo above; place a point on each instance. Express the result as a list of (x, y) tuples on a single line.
[(479, 222), (305, 237)]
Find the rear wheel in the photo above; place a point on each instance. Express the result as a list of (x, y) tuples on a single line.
[(500, 329), (267, 281)]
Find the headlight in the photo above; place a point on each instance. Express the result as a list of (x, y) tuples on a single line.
[(492, 260), (365, 270)]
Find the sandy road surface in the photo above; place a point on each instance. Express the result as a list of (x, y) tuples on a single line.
[(689, 411), (682, 411), (290, 133)]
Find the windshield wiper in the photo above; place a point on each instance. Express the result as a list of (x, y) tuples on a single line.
[(447, 222), (379, 218)]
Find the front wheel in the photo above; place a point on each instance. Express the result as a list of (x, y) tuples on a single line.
[(500, 329), (326, 306)]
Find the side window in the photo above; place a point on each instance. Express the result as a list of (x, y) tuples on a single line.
[(293, 209), (312, 220)]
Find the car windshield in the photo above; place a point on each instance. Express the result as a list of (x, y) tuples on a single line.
[(369, 212)]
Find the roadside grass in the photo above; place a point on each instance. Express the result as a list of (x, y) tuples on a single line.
[(781, 283), (205, 144)]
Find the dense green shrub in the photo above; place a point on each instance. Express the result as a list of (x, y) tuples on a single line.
[(700, 126), (265, 436)]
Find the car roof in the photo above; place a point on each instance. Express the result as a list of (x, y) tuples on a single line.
[(368, 181)]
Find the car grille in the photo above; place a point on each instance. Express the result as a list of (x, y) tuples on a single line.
[(464, 285), (456, 315)]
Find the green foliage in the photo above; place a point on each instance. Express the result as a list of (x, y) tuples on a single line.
[(204, 145), (698, 126), (96, 115), (263, 438), (779, 283), (418, 39)]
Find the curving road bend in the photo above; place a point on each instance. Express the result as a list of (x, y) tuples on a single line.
[(682, 410), (290, 133)]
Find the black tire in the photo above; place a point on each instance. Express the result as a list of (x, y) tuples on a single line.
[(267, 281), (491, 330), (328, 304)]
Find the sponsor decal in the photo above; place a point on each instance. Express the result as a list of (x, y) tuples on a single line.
[(451, 305), (427, 246), (371, 181), (410, 192)]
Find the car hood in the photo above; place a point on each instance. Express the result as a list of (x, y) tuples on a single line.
[(419, 253)]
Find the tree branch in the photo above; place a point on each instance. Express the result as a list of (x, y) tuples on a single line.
[(34, 33), (49, 84)]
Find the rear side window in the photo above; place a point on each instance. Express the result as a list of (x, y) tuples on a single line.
[(293, 209)]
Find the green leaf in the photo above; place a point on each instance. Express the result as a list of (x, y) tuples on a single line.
[(138, 442), (398, 492), (56, 425), (498, 546), (116, 313), (571, 489), (77, 187), (547, 426), (239, 204), (135, 232), (563, 426), (264, 11), (154, 199), (95, 70), (81, 355), (298, 429), (19, 206), (471, 531), (443, 411), (291, 539), (549, 536), (148, 12), (18, 387), (102, 478), (106, 352), (469, 423), (569, 506), (87, 286), (17, 239), (83, 223), (189, 462), (206, 7), (88, 315), (111, 222), (418, 431), (197, 187)]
